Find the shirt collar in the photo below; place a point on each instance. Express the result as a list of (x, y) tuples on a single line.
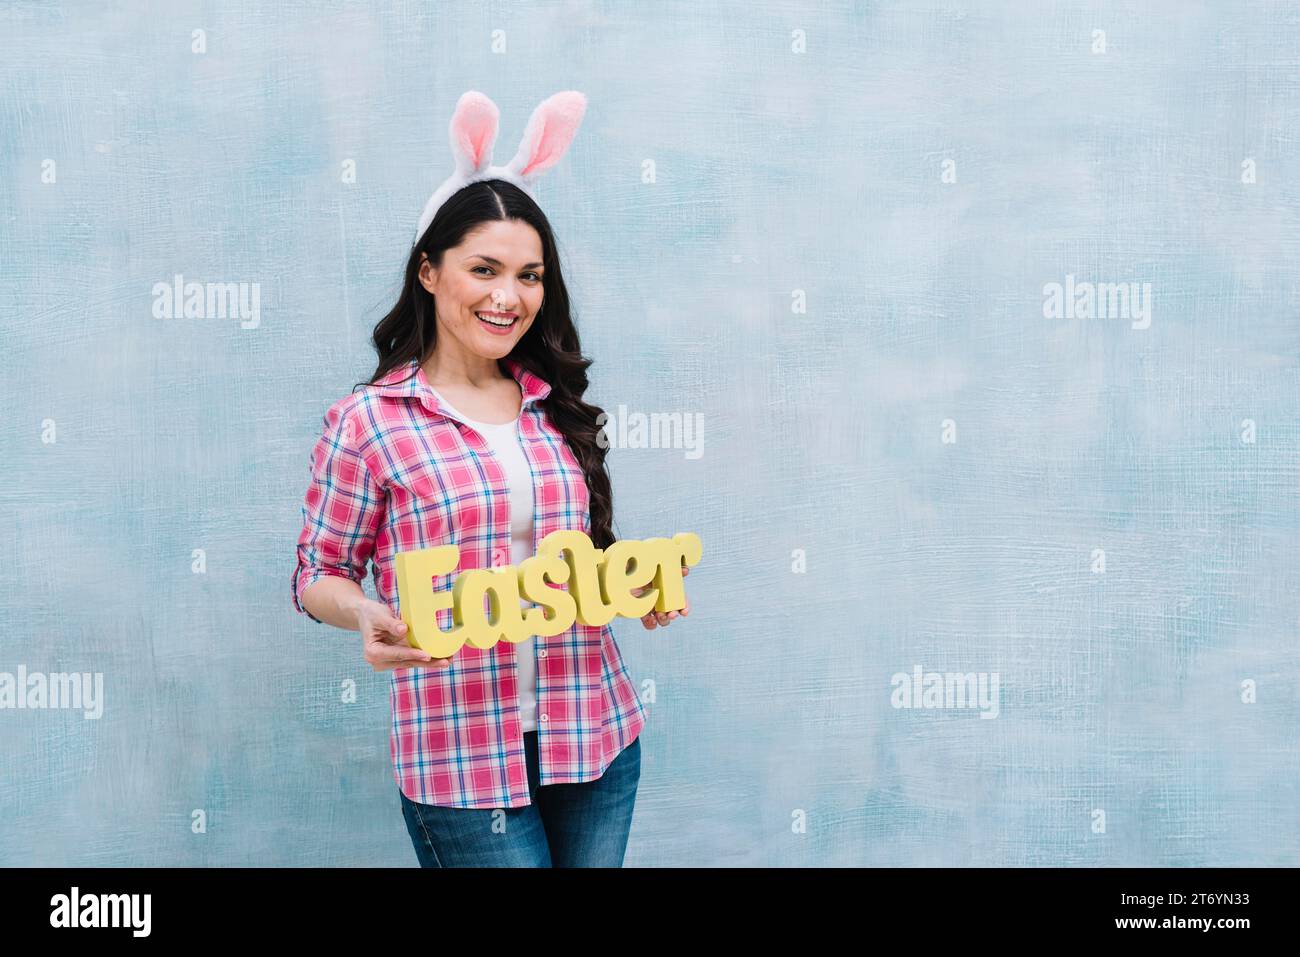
[(407, 381)]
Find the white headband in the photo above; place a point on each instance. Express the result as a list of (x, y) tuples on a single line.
[(474, 129)]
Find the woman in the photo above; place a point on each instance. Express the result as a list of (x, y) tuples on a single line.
[(473, 431)]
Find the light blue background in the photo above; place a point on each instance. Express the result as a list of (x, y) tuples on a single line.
[(775, 171)]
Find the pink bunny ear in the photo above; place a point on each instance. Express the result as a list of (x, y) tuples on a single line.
[(473, 131), (550, 131)]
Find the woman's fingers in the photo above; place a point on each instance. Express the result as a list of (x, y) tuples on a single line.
[(384, 654), (663, 618), (419, 658), (388, 648), (436, 663), (389, 657), (385, 642)]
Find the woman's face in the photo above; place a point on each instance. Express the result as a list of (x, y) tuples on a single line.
[(494, 274)]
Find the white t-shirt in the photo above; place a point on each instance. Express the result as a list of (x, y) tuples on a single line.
[(503, 440)]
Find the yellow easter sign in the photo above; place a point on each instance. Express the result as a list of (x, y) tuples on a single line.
[(600, 586)]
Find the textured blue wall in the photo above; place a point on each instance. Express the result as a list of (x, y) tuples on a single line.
[(859, 322)]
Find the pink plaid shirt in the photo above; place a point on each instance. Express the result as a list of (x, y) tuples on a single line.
[(394, 472)]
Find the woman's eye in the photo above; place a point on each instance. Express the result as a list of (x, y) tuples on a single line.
[(488, 272)]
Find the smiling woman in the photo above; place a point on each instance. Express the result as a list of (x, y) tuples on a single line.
[(473, 444)]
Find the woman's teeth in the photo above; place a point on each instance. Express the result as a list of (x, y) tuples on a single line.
[(501, 322)]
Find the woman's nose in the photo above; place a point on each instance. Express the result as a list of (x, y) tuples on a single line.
[(505, 297)]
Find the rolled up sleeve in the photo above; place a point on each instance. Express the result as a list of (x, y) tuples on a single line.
[(341, 511)]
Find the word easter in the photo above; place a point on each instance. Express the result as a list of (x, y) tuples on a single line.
[(600, 583)]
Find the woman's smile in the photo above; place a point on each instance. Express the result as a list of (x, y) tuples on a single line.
[(498, 323)]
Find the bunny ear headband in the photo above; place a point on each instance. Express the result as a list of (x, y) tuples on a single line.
[(474, 129)]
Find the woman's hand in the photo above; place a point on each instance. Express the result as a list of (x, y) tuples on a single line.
[(383, 641), (652, 619)]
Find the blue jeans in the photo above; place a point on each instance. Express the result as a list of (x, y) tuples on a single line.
[(566, 825)]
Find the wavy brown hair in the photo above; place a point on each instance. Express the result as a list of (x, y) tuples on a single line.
[(549, 348)]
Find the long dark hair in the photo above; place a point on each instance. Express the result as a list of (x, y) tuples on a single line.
[(549, 348)]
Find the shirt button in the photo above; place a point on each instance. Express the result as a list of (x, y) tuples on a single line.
[(541, 652), (542, 718)]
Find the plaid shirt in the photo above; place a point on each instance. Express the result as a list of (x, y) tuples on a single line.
[(394, 472)]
